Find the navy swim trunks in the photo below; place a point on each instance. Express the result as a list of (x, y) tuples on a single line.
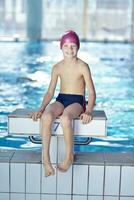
[(68, 99)]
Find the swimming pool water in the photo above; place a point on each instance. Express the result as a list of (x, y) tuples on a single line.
[(25, 69)]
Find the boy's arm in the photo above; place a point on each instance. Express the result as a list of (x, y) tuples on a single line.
[(91, 89), (51, 89)]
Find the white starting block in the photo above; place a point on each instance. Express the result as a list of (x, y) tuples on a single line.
[(20, 123)]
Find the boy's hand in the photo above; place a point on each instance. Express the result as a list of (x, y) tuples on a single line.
[(36, 115), (86, 117)]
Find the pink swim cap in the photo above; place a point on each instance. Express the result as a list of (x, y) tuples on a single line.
[(69, 37)]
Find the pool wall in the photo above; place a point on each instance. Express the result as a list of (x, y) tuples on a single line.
[(93, 176)]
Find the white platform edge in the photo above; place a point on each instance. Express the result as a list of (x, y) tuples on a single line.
[(19, 122)]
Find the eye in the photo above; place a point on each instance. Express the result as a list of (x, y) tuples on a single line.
[(74, 46), (65, 46)]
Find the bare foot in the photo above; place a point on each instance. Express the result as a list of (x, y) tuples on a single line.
[(49, 170), (64, 166)]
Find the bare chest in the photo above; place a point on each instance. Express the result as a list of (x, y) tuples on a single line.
[(71, 75)]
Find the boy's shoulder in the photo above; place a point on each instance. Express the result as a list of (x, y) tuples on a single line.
[(82, 63), (57, 65), (56, 68)]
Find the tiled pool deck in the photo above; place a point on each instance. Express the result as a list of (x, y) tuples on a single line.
[(93, 176)]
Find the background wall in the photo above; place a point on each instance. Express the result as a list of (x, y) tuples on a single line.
[(46, 19)]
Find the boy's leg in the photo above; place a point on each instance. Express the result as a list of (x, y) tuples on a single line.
[(51, 112), (71, 112)]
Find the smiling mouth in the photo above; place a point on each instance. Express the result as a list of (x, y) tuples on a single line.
[(69, 53)]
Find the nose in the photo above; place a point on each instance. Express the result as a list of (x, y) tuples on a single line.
[(70, 47)]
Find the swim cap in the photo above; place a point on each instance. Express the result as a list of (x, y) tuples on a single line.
[(68, 37)]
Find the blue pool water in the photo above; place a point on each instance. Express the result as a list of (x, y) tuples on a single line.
[(24, 77)]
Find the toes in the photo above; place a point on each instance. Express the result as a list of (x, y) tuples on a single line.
[(64, 167), (47, 174), (61, 167), (50, 173)]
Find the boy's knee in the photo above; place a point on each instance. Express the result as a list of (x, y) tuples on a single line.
[(65, 121), (47, 117)]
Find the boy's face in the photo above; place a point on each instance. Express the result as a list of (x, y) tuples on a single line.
[(70, 50)]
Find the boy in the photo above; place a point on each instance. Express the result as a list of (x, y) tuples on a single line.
[(74, 75)]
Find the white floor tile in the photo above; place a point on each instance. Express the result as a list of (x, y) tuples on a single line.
[(48, 183), (14, 196), (127, 198), (80, 178), (4, 196), (63, 197), (112, 179), (4, 177), (95, 197), (17, 177), (111, 198), (48, 197), (79, 197), (96, 176), (127, 181), (32, 196), (33, 178), (64, 182)]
